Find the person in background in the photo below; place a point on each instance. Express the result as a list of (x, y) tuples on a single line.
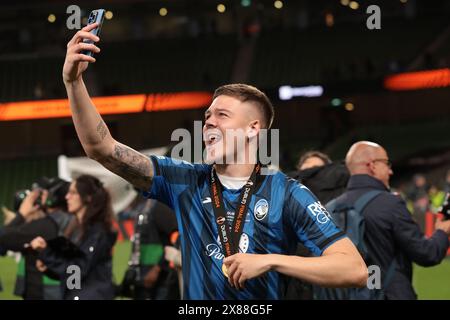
[(447, 182), (93, 234), (159, 280), (312, 159), (43, 212), (437, 198), (325, 178), (172, 254), (418, 194), (391, 236)]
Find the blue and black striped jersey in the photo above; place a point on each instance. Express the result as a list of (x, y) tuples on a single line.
[(282, 212)]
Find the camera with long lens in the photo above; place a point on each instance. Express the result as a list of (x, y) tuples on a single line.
[(20, 195), (57, 189)]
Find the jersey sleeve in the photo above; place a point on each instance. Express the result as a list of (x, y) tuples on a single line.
[(309, 219), (171, 177)]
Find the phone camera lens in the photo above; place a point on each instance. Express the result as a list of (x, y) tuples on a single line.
[(92, 17)]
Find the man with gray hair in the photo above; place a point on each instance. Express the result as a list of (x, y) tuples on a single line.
[(391, 235)]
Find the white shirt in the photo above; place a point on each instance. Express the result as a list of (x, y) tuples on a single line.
[(233, 183)]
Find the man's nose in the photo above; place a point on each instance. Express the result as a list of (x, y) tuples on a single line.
[(210, 122)]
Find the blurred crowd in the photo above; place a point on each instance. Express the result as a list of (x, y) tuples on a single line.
[(423, 197)]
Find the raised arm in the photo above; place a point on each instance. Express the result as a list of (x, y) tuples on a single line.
[(90, 127)]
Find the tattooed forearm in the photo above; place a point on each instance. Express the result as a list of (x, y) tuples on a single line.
[(102, 129), (130, 165)]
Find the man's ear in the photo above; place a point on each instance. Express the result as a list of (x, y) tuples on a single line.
[(371, 167), (253, 128)]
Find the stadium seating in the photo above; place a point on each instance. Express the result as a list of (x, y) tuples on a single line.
[(400, 142), (166, 65), (321, 54), (315, 55)]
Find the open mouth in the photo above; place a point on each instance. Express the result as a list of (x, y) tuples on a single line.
[(212, 137)]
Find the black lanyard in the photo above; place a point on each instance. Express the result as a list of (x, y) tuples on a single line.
[(230, 237)]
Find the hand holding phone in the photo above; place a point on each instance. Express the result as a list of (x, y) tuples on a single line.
[(96, 16), (81, 47)]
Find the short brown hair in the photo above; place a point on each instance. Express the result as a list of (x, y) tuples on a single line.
[(247, 93), (313, 154)]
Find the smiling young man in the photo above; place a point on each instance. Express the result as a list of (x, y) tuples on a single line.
[(238, 228)]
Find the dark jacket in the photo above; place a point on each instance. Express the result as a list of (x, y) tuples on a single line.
[(326, 182), (95, 265), (391, 233), (32, 284)]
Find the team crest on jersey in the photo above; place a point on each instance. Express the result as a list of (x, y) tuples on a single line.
[(319, 211), (261, 209)]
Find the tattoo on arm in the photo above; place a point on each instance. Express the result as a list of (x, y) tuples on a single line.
[(131, 165), (102, 129)]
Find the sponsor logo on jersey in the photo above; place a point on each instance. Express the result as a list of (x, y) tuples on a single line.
[(319, 212)]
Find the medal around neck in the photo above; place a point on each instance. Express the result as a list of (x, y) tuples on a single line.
[(229, 237), (225, 270)]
